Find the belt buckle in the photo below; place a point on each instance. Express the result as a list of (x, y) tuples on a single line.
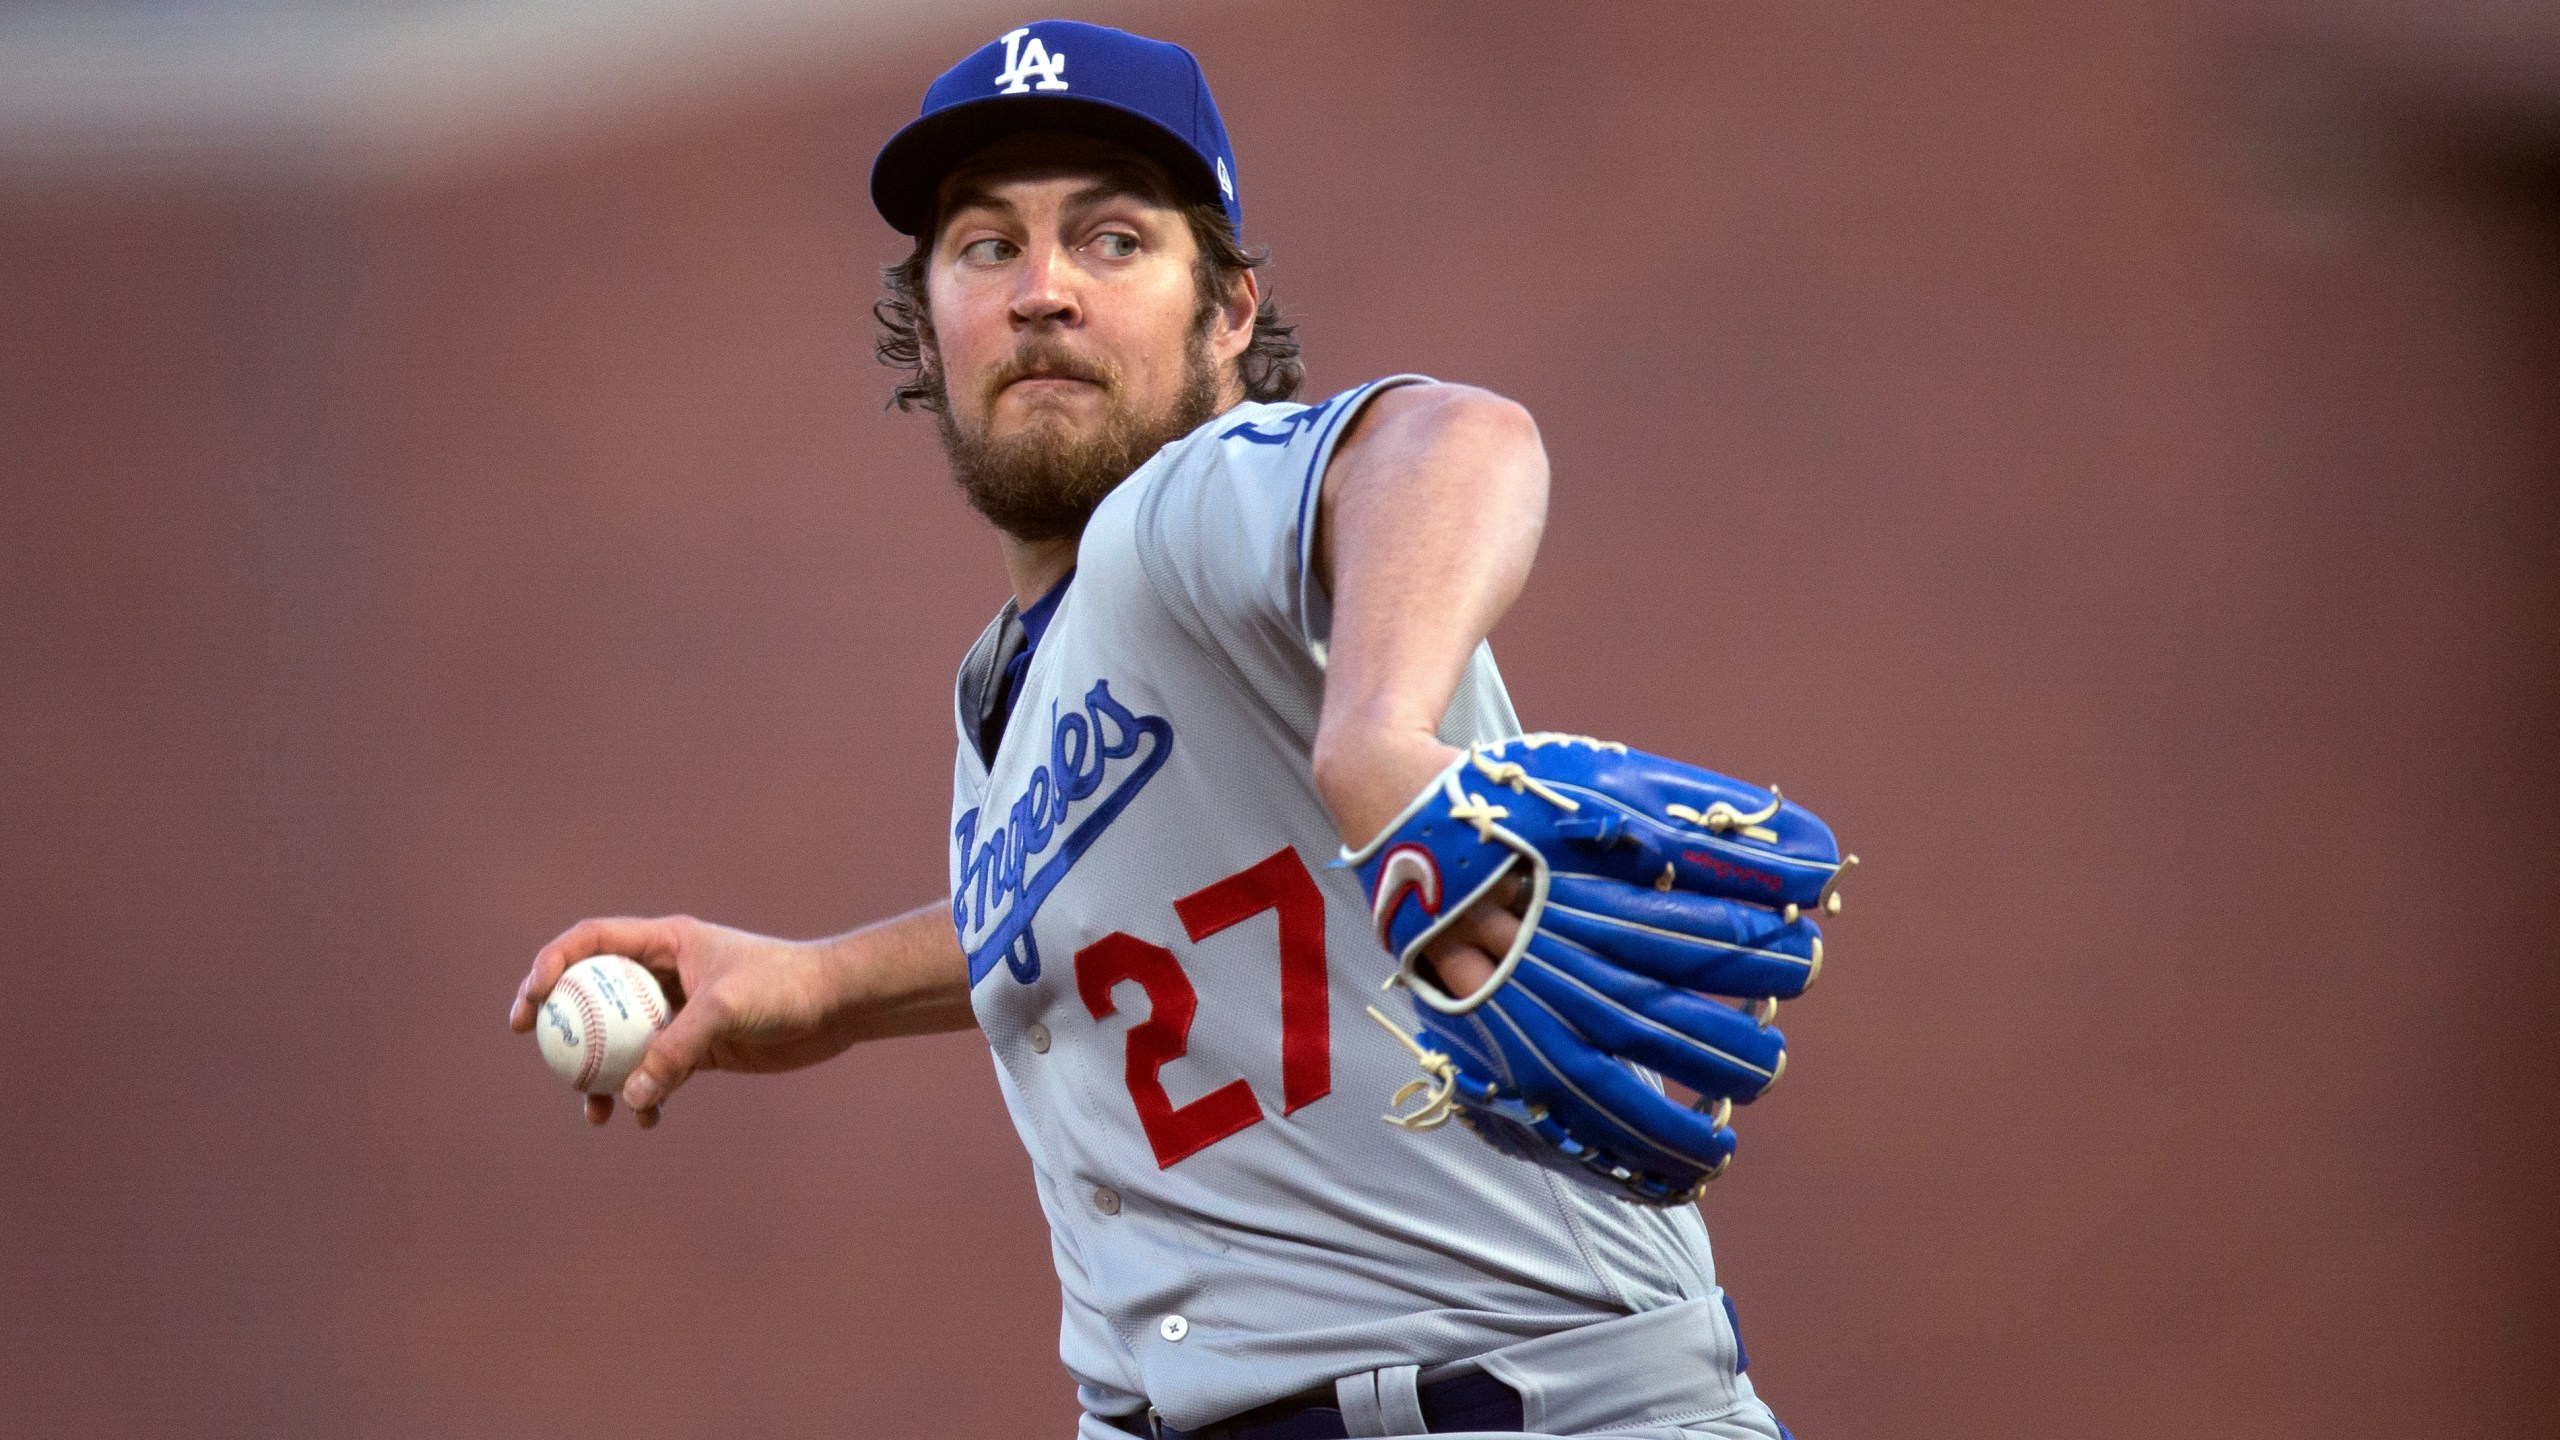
[(1155, 1424)]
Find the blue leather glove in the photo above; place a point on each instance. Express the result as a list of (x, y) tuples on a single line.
[(1651, 888)]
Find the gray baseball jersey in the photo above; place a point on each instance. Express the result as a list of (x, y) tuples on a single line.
[(1171, 975)]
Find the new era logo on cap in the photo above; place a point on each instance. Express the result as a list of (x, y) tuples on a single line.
[(1146, 94)]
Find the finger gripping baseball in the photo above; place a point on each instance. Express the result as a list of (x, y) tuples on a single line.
[(1663, 919), (598, 1022)]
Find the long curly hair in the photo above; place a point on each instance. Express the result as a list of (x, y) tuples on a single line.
[(1269, 367)]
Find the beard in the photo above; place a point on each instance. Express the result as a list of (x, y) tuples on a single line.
[(1039, 484)]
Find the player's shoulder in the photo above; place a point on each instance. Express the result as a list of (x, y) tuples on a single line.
[(1237, 485), (1277, 444), (1253, 429)]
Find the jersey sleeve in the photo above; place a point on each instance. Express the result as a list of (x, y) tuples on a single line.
[(1227, 532)]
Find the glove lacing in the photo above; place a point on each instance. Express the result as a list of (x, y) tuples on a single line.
[(1442, 1083)]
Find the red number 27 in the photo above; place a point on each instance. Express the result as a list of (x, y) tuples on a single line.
[(1279, 883)]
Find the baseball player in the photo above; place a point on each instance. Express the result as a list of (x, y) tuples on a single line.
[(1234, 758)]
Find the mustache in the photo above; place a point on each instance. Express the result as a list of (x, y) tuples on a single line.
[(1050, 360)]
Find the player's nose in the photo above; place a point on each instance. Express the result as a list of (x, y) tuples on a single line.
[(1044, 288)]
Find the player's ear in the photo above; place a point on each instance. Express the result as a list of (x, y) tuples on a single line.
[(1237, 308)]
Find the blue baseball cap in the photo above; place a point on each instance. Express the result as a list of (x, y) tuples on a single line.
[(1061, 75)]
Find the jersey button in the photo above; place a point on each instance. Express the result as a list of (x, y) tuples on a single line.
[(1107, 1200), (1038, 1035), (1174, 1328)]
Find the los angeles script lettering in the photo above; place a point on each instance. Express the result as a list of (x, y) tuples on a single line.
[(997, 878)]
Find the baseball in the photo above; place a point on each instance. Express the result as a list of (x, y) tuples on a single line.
[(597, 1022)]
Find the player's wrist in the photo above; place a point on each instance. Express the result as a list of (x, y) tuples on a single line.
[(1367, 777)]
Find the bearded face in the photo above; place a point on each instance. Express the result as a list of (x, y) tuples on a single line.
[(1041, 478), (1067, 334)]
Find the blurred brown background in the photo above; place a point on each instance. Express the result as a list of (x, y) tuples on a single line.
[(2103, 457)]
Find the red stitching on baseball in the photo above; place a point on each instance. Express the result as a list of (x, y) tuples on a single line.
[(648, 1001), (591, 1020)]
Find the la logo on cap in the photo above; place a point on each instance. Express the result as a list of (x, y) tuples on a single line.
[(1021, 62)]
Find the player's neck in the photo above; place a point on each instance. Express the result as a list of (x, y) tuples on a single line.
[(1036, 566)]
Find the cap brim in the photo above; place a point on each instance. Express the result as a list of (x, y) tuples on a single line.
[(908, 174)]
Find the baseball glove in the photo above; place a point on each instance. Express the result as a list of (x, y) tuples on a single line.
[(1652, 887)]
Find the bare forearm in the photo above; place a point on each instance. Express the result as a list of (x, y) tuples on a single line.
[(905, 975), (1428, 528)]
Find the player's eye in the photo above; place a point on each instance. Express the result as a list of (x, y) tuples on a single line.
[(1116, 244), (993, 250)]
